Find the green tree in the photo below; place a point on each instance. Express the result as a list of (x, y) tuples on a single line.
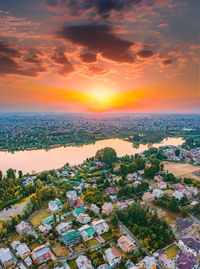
[(10, 173), (20, 174), (109, 156), (177, 152)]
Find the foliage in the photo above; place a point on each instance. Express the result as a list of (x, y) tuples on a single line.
[(94, 196), (146, 226)]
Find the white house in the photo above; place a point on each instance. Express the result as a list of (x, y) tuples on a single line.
[(55, 206), (45, 228), (83, 262), (100, 226), (6, 257), (63, 227), (157, 193), (113, 256), (83, 218), (95, 208), (21, 249), (178, 195), (162, 185)]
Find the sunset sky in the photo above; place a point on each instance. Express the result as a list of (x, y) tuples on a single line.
[(99, 56)]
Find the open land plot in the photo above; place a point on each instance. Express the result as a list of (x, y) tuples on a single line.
[(37, 216), (92, 242), (171, 251), (181, 170), (60, 251)]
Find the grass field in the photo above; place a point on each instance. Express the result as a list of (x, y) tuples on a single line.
[(72, 264), (181, 170), (107, 236), (92, 242), (171, 252), (36, 218)]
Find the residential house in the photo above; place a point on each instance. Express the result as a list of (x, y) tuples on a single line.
[(178, 195), (21, 249), (100, 226), (111, 191), (126, 244), (55, 206), (48, 220), (24, 228), (107, 208), (71, 238), (192, 190), (121, 205), (113, 256), (147, 263), (147, 197), (63, 227), (162, 185), (95, 209), (45, 228), (190, 244), (6, 257), (185, 260), (158, 178), (131, 177), (41, 254), (136, 183), (83, 218), (72, 198), (64, 174), (178, 187), (130, 202), (157, 193), (184, 225), (87, 232), (83, 262), (78, 211)]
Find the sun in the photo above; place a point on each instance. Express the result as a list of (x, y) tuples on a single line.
[(100, 100)]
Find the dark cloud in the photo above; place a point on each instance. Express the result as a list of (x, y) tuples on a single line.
[(96, 70), (167, 62), (93, 8), (35, 59), (145, 53), (10, 66), (88, 57), (60, 58), (5, 48), (99, 38)]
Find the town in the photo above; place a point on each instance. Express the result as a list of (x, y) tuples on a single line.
[(36, 131), (108, 212)]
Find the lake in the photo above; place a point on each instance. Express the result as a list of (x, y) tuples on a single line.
[(13, 209), (41, 159)]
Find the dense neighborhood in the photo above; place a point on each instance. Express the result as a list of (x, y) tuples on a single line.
[(108, 212)]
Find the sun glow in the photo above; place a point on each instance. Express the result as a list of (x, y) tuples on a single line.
[(100, 100)]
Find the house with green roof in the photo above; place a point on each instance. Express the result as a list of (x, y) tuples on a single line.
[(48, 220), (87, 232), (78, 211), (71, 238)]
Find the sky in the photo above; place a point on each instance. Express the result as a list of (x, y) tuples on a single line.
[(99, 56)]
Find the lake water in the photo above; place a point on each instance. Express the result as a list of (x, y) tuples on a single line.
[(40, 160), (13, 209)]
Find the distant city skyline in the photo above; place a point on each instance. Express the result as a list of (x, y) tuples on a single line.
[(105, 56)]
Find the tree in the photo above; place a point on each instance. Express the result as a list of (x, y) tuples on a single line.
[(140, 163), (177, 152), (1, 175), (150, 172), (109, 156), (174, 205), (124, 170), (10, 173), (20, 174), (38, 196), (114, 220)]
